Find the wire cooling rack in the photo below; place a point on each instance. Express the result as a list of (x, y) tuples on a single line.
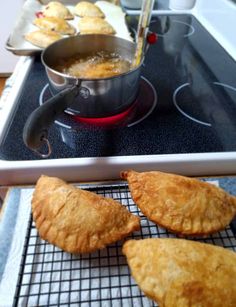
[(51, 277)]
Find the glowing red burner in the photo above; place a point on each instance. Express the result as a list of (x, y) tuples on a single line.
[(105, 121), (142, 107)]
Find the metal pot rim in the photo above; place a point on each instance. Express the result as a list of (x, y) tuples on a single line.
[(86, 79)]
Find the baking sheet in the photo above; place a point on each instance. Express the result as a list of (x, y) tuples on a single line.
[(36, 273), (24, 24)]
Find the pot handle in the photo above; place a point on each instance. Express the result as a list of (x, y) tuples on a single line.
[(35, 131)]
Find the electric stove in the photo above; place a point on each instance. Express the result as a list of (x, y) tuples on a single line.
[(186, 105)]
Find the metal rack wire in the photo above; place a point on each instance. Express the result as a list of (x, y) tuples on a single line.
[(51, 277)]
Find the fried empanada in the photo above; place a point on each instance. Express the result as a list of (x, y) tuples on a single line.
[(42, 38), (183, 205), (95, 25), (56, 24), (88, 9), (177, 272), (57, 9), (76, 220)]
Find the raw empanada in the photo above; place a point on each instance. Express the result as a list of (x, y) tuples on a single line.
[(42, 38), (88, 9), (181, 273), (95, 25), (183, 205), (76, 220), (56, 24), (57, 9)]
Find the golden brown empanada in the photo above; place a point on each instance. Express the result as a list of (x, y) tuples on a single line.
[(56, 24), (182, 273), (183, 205), (42, 38), (95, 25), (76, 220), (57, 9), (88, 9)]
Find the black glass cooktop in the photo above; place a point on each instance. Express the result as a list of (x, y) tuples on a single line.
[(187, 102)]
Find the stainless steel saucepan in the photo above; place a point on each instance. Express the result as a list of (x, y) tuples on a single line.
[(97, 97), (84, 97), (89, 98)]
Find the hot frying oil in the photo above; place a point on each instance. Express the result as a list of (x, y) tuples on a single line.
[(98, 65)]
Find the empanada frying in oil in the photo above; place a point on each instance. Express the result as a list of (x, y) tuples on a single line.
[(183, 205), (183, 273), (76, 220)]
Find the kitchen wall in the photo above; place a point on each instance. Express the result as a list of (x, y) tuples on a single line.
[(8, 14)]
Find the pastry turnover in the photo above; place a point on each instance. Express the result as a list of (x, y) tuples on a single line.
[(177, 272), (76, 220), (95, 25), (57, 9), (183, 205), (88, 9), (42, 38), (56, 24)]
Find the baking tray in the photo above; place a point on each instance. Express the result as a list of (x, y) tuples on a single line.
[(51, 277), (19, 46)]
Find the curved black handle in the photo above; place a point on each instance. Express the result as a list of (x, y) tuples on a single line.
[(36, 127)]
